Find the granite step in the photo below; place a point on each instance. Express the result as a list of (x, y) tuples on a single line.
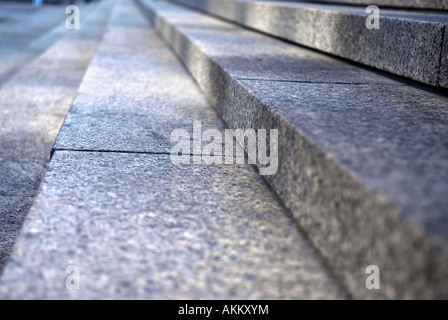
[(423, 4), (409, 43), (115, 208), (33, 104), (362, 157)]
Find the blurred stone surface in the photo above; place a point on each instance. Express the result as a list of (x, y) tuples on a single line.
[(133, 96), (12, 214), (423, 4), (27, 31), (34, 103)]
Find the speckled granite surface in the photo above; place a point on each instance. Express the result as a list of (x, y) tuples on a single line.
[(12, 214), (140, 227), (33, 105), (362, 164)]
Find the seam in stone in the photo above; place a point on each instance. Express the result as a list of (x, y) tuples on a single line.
[(109, 151), (313, 82), (17, 195), (130, 152)]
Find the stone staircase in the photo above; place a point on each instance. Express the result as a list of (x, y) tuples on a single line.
[(34, 99), (362, 155), (362, 173), (138, 226)]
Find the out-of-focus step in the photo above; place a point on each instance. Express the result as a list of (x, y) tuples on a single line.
[(33, 104), (133, 224), (408, 43)]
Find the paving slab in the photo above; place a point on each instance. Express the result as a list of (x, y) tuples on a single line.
[(408, 44), (362, 166), (30, 120), (138, 226)]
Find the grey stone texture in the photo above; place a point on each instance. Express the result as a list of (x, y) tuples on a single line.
[(408, 44), (423, 4), (444, 62), (127, 102), (12, 214), (362, 164), (33, 104), (140, 227), (27, 31)]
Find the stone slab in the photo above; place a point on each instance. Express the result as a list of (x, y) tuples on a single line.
[(392, 141), (407, 44), (362, 167), (264, 58), (134, 94), (139, 227), (30, 118)]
